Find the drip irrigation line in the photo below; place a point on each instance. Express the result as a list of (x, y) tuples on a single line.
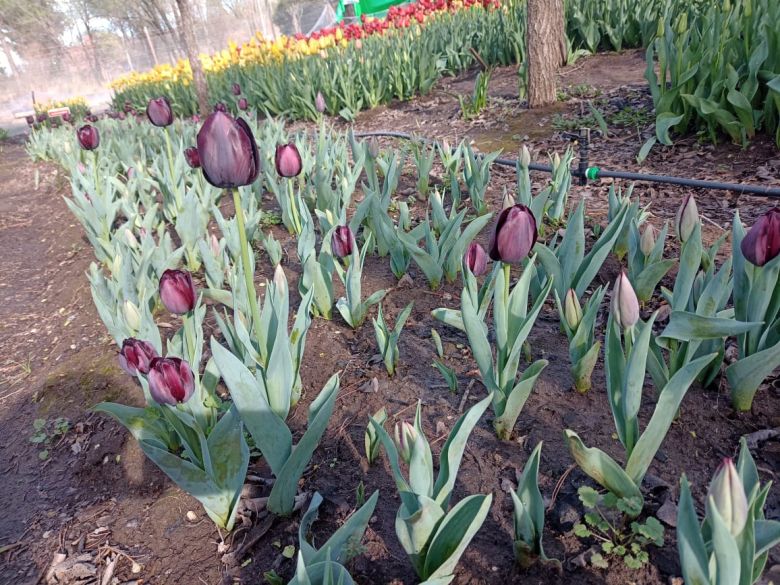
[(592, 173)]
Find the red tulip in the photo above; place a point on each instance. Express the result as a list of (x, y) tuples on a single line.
[(170, 380), (476, 259), (159, 112), (236, 89), (288, 160), (89, 137), (243, 104), (192, 157), (762, 242), (228, 153), (177, 291), (514, 235), (136, 355), (343, 241)]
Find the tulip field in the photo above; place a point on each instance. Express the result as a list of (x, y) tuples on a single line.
[(267, 345)]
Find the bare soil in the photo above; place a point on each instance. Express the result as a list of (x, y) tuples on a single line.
[(96, 495)]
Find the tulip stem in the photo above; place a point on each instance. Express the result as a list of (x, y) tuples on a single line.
[(507, 275), (248, 272), (296, 217), (170, 161)]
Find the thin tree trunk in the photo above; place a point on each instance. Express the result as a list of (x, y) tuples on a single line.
[(546, 50), (188, 35)]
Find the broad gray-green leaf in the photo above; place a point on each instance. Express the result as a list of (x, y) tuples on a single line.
[(686, 326)]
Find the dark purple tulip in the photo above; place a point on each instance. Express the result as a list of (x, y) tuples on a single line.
[(288, 160), (177, 291), (319, 103), (42, 117), (136, 355), (236, 89), (228, 152), (476, 259), (514, 236), (343, 241), (220, 107), (243, 104), (192, 156), (89, 137), (159, 112), (30, 120), (762, 243), (66, 117), (170, 380), (91, 118), (128, 107)]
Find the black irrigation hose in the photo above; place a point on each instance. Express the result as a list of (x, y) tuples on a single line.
[(594, 173)]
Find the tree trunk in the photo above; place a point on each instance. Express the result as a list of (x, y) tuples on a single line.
[(546, 50), (188, 35)]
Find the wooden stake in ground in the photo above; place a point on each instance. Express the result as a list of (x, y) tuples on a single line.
[(190, 48), (546, 50)]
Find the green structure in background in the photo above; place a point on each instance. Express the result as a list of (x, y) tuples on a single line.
[(376, 8)]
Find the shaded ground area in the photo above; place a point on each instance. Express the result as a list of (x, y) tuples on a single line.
[(93, 494)]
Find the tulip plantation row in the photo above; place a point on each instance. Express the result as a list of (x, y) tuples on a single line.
[(138, 187)]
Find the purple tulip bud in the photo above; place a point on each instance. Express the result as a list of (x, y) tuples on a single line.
[(236, 89), (196, 119), (121, 115), (319, 103), (177, 291), (476, 259), (89, 137), (42, 117), (514, 235), (343, 241), (288, 160), (243, 104), (762, 242), (170, 380), (30, 120), (128, 107), (192, 156), (228, 152), (220, 107), (66, 117), (687, 218), (727, 494), (159, 112), (136, 355), (625, 305)]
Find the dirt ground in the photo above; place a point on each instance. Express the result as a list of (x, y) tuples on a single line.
[(93, 493)]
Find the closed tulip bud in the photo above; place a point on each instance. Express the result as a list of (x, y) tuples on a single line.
[(30, 120), (343, 241), (66, 117), (192, 156), (170, 380), (243, 104), (131, 314), (128, 107), (404, 435), (136, 356), (88, 136), (647, 240), (159, 112), (215, 247), (572, 310), (236, 89), (319, 103), (476, 259), (687, 218), (507, 201), (288, 160), (280, 280), (131, 240), (121, 115), (525, 157), (514, 235), (220, 107), (373, 148), (177, 291), (727, 494), (762, 242), (228, 152), (625, 305)]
